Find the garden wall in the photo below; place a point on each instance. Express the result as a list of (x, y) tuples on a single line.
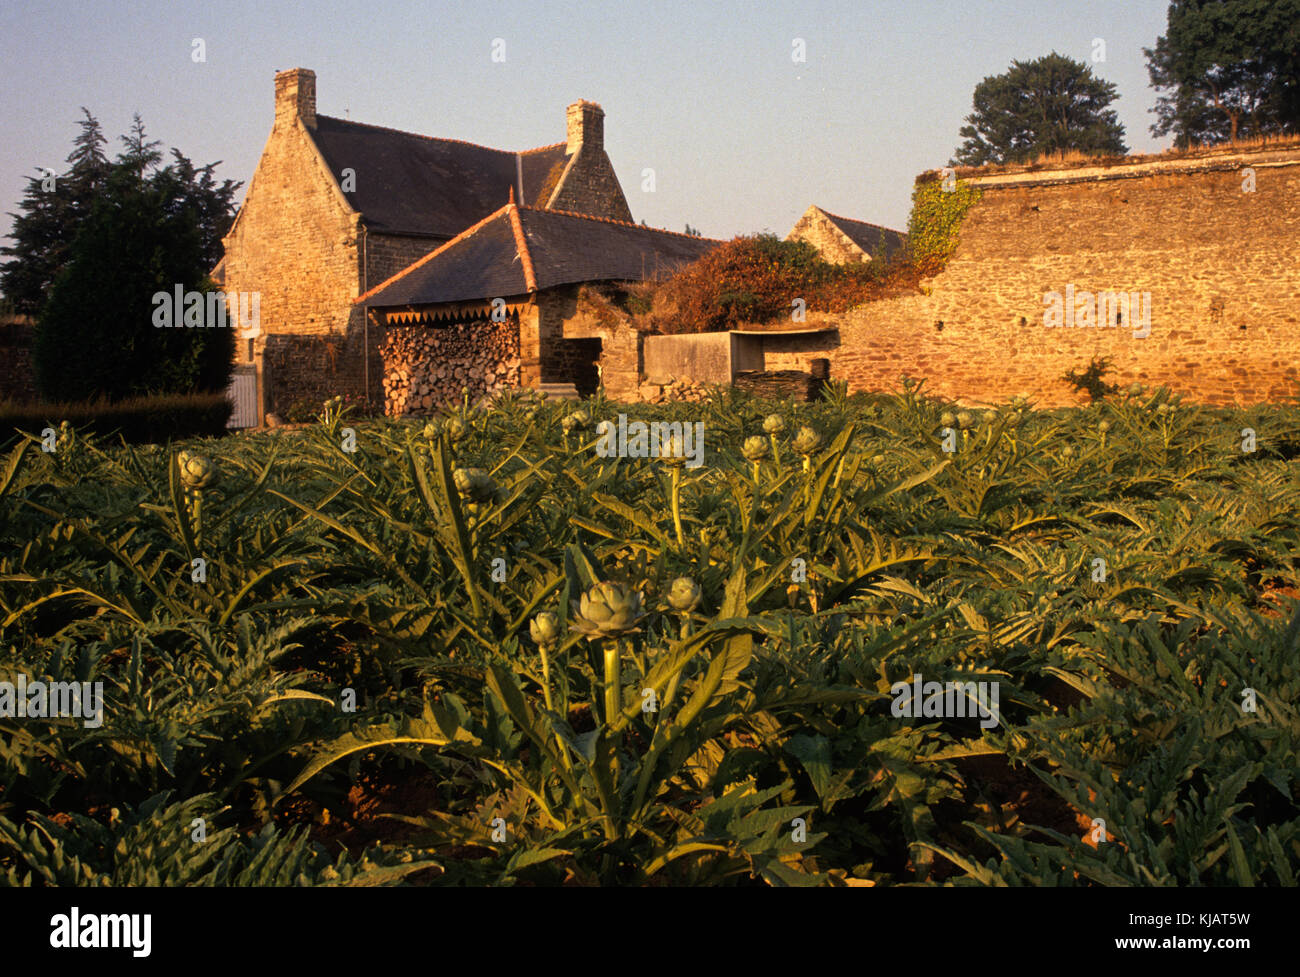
[(1218, 259)]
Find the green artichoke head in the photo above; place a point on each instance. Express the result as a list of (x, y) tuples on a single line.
[(684, 595), (807, 440), (546, 628), (774, 424), (607, 610), (1103, 427), (1135, 390), (755, 448), (474, 484), (947, 419), (965, 420), (672, 451), (431, 430), (454, 428), (197, 472), (577, 421)]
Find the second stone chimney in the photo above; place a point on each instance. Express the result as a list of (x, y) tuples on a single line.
[(295, 97), (586, 126)]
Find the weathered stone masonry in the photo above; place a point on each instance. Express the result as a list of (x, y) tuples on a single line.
[(1220, 263), (299, 241)]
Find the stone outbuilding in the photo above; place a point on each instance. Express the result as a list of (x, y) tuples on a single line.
[(335, 207), (500, 305), (842, 240)]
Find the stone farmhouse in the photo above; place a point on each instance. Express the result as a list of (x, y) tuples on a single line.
[(349, 228), (842, 240)]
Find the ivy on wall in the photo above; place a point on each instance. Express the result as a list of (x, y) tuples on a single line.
[(936, 217)]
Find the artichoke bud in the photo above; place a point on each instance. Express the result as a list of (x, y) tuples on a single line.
[(755, 448), (807, 440), (684, 595), (577, 421), (545, 628), (455, 428), (774, 424), (197, 472), (965, 420), (672, 451), (474, 484), (947, 419), (607, 610)]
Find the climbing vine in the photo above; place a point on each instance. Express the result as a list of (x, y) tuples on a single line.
[(936, 217)]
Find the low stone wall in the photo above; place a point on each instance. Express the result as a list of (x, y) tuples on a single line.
[(425, 367)]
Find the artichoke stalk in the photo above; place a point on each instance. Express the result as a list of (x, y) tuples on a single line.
[(197, 473), (755, 450), (672, 454), (774, 424), (546, 630), (807, 441)]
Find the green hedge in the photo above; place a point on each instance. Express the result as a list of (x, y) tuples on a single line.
[(140, 420)]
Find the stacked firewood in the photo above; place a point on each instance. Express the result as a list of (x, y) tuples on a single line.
[(427, 367)]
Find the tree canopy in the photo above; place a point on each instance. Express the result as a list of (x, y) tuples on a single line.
[(92, 251), (1050, 105), (1227, 69)]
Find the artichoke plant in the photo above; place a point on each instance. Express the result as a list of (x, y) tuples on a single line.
[(432, 430), (577, 421), (606, 610), (947, 419), (965, 420), (454, 428)]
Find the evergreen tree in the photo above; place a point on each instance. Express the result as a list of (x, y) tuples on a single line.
[(1227, 69), (151, 228), (1051, 105), (51, 215)]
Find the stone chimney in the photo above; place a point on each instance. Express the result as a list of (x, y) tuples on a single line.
[(586, 126), (295, 97)]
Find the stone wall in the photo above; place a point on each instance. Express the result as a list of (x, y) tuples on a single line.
[(426, 367), (1219, 263), (567, 316)]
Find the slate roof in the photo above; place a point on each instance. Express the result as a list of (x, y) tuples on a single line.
[(868, 236), (419, 185), (518, 250)]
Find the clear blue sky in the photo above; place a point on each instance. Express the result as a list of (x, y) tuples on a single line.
[(707, 94)]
